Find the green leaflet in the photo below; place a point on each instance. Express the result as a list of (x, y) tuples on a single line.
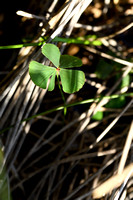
[(40, 74), (72, 80), (67, 61), (52, 53)]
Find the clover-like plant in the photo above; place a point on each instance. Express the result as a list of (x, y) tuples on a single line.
[(72, 80)]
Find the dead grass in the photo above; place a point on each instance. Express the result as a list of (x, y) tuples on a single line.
[(53, 157)]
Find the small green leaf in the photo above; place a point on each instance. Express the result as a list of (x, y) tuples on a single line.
[(52, 52), (98, 116), (103, 69), (116, 103), (41, 73), (72, 80), (67, 61), (125, 81)]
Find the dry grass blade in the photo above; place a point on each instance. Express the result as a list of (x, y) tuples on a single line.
[(113, 122), (126, 149), (112, 183)]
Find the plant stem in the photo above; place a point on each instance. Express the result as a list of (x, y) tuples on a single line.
[(17, 46), (87, 101), (62, 95), (56, 39)]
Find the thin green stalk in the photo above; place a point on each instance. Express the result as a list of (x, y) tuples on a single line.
[(56, 39), (17, 46), (62, 95), (87, 101)]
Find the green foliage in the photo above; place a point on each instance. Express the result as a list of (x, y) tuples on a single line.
[(69, 61), (72, 80), (116, 103), (119, 102), (103, 69), (98, 116), (125, 81), (40, 74), (52, 53)]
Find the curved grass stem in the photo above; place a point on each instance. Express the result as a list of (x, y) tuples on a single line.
[(87, 101)]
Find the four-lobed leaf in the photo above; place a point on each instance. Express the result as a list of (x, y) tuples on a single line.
[(44, 76)]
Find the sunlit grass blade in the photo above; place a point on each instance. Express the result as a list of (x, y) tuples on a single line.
[(18, 46)]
